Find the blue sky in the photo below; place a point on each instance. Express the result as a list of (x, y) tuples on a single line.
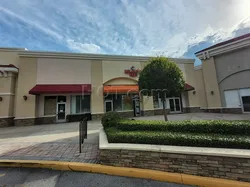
[(174, 28)]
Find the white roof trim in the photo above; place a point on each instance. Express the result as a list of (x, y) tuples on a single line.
[(103, 57), (6, 49), (224, 48), (9, 69)]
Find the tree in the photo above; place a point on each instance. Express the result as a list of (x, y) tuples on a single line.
[(163, 78)]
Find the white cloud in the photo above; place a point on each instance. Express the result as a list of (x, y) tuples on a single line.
[(83, 47), (32, 23)]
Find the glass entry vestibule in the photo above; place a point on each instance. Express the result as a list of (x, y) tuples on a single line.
[(122, 103), (122, 98), (173, 104)]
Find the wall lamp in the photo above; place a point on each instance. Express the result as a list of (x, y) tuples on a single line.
[(212, 92), (1, 99), (194, 92), (25, 97)]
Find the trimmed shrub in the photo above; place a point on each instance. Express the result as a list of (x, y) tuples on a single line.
[(196, 126), (110, 119), (178, 139)]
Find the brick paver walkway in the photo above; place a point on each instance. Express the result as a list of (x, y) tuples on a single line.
[(58, 151)]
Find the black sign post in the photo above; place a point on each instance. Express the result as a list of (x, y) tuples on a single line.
[(136, 102), (83, 126)]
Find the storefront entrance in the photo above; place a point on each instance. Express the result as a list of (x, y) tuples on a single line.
[(61, 109), (246, 103), (175, 105), (108, 105), (238, 98)]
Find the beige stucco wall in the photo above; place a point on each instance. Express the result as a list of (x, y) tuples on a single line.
[(211, 83), (193, 99), (6, 85), (114, 69), (11, 105), (97, 103), (63, 71), (200, 88), (7, 92), (27, 79), (147, 103), (233, 70), (5, 106), (9, 57)]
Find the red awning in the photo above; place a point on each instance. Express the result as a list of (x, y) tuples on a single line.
[(188, 87), (60, 88)]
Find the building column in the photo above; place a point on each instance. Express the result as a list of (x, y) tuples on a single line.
[(7, 98), (97, 102), (25, 110), (147, 108), (211, 84)]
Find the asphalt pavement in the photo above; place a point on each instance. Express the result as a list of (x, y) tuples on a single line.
[(28, 177)]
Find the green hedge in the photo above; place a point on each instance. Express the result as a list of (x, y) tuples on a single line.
[(178, 139), (194, 126), (110, 119)]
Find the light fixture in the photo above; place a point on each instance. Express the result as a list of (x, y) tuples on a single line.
[(212, 92), (25, 97), (1, 99), (194, 92)]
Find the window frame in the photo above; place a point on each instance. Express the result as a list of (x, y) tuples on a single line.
[(122, 104), (71, 96)]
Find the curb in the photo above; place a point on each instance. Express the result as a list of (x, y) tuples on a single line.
[(125, 172)]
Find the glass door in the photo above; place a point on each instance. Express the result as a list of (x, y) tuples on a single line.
[(108, 105), (171, 104), (61, 112), (246, 103), (175, 105)]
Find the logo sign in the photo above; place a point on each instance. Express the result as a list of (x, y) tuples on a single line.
[(132, 72)]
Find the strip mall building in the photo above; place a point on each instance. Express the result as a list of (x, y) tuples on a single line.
[(48, 87)]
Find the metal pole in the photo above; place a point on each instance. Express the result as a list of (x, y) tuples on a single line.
[(80, 141)]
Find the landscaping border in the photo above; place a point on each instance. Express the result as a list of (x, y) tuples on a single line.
[(223, 163)]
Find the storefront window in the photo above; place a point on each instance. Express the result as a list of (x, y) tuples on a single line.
[(120, 102), (156, 101), (80, 104), (49, 105), (127, 102), (117, 102)]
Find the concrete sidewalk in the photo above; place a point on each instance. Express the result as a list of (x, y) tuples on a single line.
[(59, 142), (50, 151)]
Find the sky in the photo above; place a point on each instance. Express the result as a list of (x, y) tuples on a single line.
[(172, 28)]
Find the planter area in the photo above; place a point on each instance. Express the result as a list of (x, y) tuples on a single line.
[(209, 162), (197, 147)]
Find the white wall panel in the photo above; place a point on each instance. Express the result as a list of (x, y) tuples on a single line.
[(245, 92), (232, 98)]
